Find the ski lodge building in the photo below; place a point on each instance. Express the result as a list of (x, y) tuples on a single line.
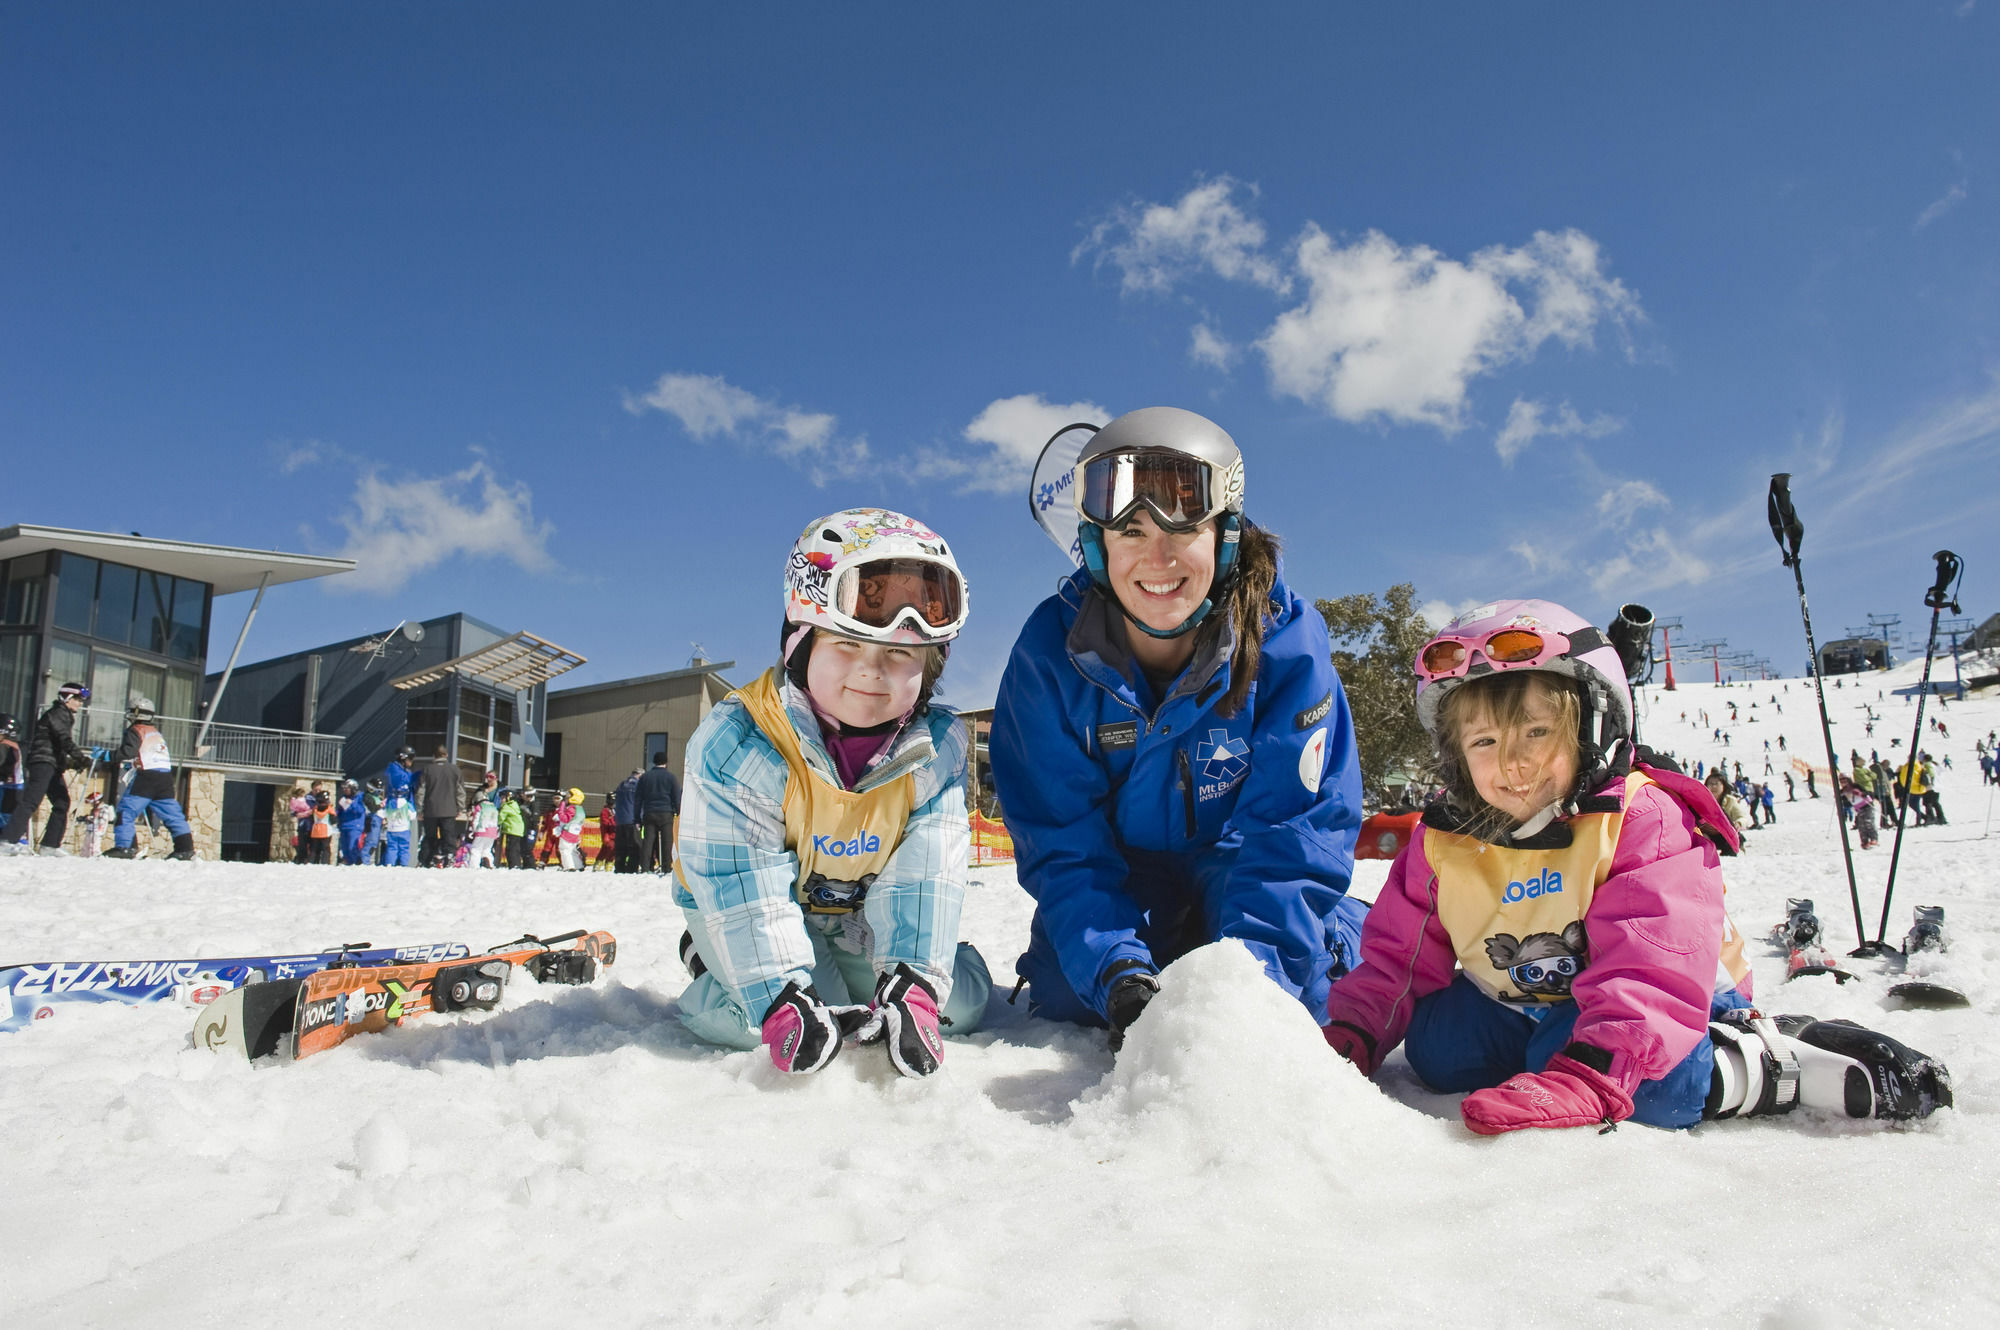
[(598, 733), (129, 616), (477, 690)]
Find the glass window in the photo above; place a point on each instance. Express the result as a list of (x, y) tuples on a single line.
[(22, 603), (655, 743), (146, 682), (68, 662), (154, 629), (17, 677), (503, 720), (190, 620), (180, 691), (76, 592), (117, 595), (424, 721), (110, 685)]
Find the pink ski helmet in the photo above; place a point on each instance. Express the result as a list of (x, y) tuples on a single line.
[(1529, 635)]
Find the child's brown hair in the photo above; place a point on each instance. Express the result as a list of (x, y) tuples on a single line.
[(1502, 699)]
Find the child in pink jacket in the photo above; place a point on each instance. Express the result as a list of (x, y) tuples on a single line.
[(1553, 939)]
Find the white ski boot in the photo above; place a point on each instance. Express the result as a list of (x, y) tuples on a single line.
[(1765, 1066)]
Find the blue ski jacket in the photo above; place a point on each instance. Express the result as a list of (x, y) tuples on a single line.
[(1088, 769), (399, 779)]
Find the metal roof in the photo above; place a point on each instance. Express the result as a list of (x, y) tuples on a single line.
[(224, 567), (517, 662), (714, 667)]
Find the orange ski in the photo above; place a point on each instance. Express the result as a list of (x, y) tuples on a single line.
[(335, 1005)]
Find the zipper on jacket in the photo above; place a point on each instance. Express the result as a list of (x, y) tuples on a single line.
[(1187, 789)]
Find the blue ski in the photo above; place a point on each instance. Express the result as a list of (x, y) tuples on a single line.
[(35, 990)]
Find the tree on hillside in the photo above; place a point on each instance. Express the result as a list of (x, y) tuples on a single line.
[(1374, 641)]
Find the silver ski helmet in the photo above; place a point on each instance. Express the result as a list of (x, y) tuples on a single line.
[(1181, 467), (141, 709)]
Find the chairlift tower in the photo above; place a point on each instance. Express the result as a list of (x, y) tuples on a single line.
[(1714, 648), (1957, 628), (1666, 627)]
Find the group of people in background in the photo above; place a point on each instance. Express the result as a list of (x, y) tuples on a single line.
[(144, 788), (427, 817)]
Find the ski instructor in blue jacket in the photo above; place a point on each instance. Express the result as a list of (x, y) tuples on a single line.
[(1170, 743)]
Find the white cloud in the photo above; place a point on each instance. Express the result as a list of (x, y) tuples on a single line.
[(1208, 347), (1387, 331), (1622, 502), (403, 525), (1950, 199), (1525, 423), (1397, 333), (1004, 440), (1438, 613), (1539, 558), (708, 406), (1654, 560), (1155, 245)]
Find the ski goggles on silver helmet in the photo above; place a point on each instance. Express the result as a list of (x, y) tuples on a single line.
[(876, 596), (1180, 491), (1181, 467)]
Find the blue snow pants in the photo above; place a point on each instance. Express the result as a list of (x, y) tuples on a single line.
[(132, 807), (840, 977), (350, 844), (396, 850), (1461, 1040), (1172, 890)]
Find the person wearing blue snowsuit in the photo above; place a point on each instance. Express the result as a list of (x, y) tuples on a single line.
[(401, 777), (399, 818), (353, 821), (1157, 810)]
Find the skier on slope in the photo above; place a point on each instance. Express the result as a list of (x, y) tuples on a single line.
[(824, 837), (1553, 938), (151, 788), (1171, 743), (13, 770), (51, 751)]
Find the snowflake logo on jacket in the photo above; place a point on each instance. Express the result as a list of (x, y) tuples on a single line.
[(1222, 758)]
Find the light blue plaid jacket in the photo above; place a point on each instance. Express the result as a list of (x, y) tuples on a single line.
[(736, 871)]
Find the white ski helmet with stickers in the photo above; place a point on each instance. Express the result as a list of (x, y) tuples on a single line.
[(874, 575)]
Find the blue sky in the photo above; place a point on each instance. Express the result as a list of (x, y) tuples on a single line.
[(572, 317)]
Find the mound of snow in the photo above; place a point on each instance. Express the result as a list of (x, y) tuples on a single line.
[(1225, 1069)]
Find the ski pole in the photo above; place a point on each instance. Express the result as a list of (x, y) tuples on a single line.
[(1943, 594), (1788, 531)]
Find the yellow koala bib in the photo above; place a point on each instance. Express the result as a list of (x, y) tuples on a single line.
[(1516, 916), (839, 836)]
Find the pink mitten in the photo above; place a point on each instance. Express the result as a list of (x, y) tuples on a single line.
[(1351, 1044), (1567, 1094)]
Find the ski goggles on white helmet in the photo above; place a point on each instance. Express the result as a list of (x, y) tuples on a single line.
[(876, 596)]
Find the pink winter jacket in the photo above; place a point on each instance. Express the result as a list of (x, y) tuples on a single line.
[(1655, 930)]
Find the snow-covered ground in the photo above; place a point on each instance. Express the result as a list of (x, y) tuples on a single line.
[(576, 1157)]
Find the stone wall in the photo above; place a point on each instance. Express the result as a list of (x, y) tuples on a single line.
[(204, 812)]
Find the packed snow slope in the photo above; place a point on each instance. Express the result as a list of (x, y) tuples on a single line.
[(577, 1156)]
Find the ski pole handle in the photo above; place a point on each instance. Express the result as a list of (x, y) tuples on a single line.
[(1786, 528), (1944, 592)]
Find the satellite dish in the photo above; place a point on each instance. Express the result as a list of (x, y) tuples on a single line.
[(413, 631)]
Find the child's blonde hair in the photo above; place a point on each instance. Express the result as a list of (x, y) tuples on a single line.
[(1503, 700)]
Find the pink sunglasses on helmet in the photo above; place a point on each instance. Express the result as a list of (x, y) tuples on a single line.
[(1450, 655)]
